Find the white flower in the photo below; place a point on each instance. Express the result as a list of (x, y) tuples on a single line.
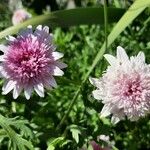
[(124, 87)]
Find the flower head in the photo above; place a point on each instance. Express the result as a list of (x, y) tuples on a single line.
[(124, 87), (19, 16), (30, 62), (96, 146)]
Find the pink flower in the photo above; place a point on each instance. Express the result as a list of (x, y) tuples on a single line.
[(19, 16), (124, 87), (30, 62), (95, 146), (98, 147)]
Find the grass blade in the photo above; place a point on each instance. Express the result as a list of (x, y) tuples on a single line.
[(67, 18)]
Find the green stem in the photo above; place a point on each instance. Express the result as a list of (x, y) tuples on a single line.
[(69, 109), (105, 23), (87, 75), (144, 27)]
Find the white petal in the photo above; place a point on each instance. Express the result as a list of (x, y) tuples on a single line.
[(2, 72), (1, 57), (57, 55), (29, 26), (111, 59), (57, 71), (46, 29), (97, 94), (60, 64), (52, 82), (39, 27), (114, 119), (95, 81), (141, 57), (17, 90), (10, 38), (8, 86), (28, 92), (122, 55), (39, 89), (3, 48), (105, 111)]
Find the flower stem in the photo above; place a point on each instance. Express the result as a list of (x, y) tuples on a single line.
[(100, 54), (69, 109), (105, 23)]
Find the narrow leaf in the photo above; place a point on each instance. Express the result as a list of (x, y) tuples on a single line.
[(66, 18)]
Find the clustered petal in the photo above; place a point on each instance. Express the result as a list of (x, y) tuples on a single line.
[(29, 62), (124, 87)]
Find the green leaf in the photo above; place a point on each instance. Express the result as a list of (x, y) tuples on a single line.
[(75, 132), (53, 142), (66, 18), (50, 147), (17, 140)]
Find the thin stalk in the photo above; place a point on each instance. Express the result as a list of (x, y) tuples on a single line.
[(69, 109), (144, 27), (105, 23), (87, 75)]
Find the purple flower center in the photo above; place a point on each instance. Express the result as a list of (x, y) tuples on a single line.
[(27, 61)]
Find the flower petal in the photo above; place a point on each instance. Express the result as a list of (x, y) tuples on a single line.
[(141, 57), (39, 89), (8, 86), (60, 64), (39, 27), (111, 59), (97, 94), (2, 58), (105, 111), (95, 82), (115, 120), (10, 38), (17, 90), (52, 82), (57, 71), (28, 92), (3, 48), (46, 29), (57, 55), (122, 55), (26, 32)]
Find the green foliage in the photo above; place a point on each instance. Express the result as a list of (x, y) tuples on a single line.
[(66, 18), (17, 141), (41, 123)]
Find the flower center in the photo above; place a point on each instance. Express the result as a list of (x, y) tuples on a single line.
[(27, 64), (131, 88)]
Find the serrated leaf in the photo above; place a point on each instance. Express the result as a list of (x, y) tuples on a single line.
[(75, 130), (16, 139), (75, 134), (55, 141)]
